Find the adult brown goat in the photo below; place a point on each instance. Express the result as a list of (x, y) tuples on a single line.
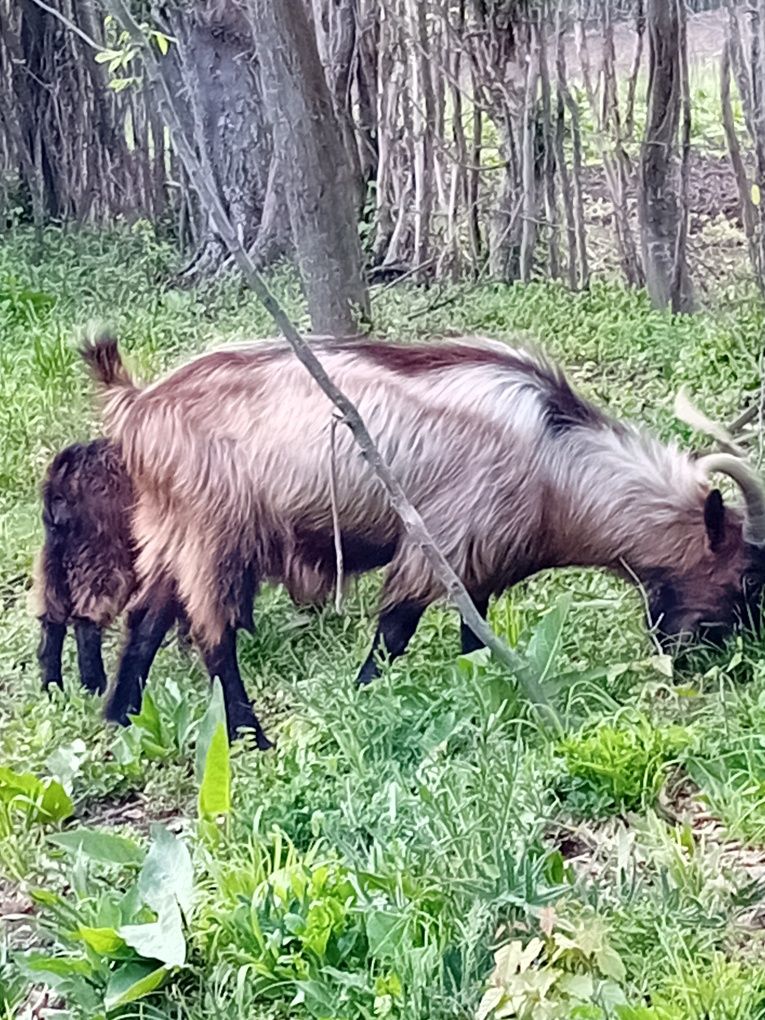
[(511, 471)]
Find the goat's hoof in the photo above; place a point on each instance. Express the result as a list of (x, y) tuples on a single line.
[(118, 717), (366, 676), (248, 722), (94, 685), (263, 743)]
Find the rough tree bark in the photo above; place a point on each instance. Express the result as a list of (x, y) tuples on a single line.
[(336, 25), (756, 12), (216, 74), (661, 209), (317, 179)]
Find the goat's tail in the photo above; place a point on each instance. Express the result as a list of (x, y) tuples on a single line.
[(112, 378)]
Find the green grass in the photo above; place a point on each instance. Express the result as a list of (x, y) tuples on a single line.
[(397, 838)]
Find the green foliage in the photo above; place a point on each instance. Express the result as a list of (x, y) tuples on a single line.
[(213, 765), (617, 767), (37, 799), (112, 947), (396, 837), (557, 976)]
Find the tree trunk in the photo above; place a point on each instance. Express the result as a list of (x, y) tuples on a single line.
[(756, 13), (217, 76), (317, 179), (336, 24), (662, 211)]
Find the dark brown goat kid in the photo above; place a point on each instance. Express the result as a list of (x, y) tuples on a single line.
[(85, 572), (511, 470)]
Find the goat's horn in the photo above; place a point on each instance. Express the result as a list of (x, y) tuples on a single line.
[(686, 411), (751, 486)]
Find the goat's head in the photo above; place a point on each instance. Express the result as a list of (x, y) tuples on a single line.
[(60, 491), (76, 487), (722, 589)]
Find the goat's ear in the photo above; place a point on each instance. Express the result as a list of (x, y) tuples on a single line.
[(714, 519)]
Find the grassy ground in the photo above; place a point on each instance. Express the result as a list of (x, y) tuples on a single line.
[(399, 837)]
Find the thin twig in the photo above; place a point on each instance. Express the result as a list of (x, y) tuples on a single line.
[(336, 533), (401, 279), (71, 25)]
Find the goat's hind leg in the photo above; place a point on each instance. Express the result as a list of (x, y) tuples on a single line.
[(221, 662), (89, 659)]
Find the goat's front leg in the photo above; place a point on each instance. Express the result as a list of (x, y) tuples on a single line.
[(89, 659), (146, 628), (49, 652), (470, 641), (221, 662), (395, 629)]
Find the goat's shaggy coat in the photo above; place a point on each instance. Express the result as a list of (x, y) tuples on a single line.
[(84, 574), (511, 471)]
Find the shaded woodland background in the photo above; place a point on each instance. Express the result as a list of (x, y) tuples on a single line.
[(426, 139)]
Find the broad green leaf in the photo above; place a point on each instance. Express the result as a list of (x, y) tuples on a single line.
[(544, 646), (615, 670), (163, 43), (162, 939), (132, 982), (215, 791), (213, 765), (104, 941), (100, 846), (167, 875), (610, 963), (56, 804), (492, 997), (662, 664), (215, 714), (148, 718), (44, 798), (66, 762), (45, 897), (439, 731), (756, 197), (52, 969), (381, 932), (578, 986), (530, 952)]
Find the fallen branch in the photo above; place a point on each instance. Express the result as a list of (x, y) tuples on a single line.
[(198, 169)]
